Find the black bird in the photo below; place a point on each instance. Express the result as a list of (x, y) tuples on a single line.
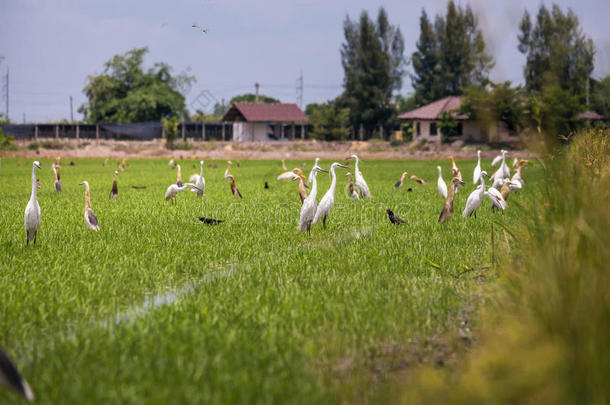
[(409, 189), (393, 218), (138, 187), (10, 378), (266, 186), (210, 221)]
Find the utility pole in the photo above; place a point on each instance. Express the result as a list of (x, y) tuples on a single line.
[(300, 90), (256, 86), (71, 114), (587, 91)]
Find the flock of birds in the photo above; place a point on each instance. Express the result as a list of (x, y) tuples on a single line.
[(311, 211)]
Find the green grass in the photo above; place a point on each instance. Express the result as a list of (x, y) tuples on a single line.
[(158, 308)]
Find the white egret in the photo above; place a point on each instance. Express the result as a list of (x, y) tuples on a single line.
[(10, 378), (90, 218), (228, 169), (302, 190), (497, 159), (288, 176), (284, 165), (440, 183), (402, 179), (32, 210), (496, 198), (174, 189), (310, 178), (447, 211), (501, 173), (475, 199), (350, 185), (199, 181), (515, 161), (359, 180), (327, 202), (114, 193), (477, 170), (308, 209)]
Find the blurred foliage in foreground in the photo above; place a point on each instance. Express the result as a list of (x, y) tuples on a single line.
[(545, 340)]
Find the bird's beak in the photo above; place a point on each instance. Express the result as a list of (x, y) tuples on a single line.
[(325, 171), (461, 183), (485, 174), (38, 166), (81, 184), (196, 188), (345, 167)]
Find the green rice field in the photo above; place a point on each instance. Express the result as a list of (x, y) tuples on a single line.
[(159, 308)]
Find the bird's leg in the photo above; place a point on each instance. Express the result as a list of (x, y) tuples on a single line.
[(475, 213), (308, 231), (36, 233), (27, 238), (324, 222)]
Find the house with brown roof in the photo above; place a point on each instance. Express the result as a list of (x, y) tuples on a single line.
[(266, 122), (426, 121)]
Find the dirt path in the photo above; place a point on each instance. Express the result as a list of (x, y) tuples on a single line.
[(250, 150)]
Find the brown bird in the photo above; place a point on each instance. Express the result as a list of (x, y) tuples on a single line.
[(300, 178), (350, 185), (447, 211), (90, 218), (455, 168), (114, 193), (234, 189), (55, 168), (179, 176), (417, 179), (399, 182), (393, 218)]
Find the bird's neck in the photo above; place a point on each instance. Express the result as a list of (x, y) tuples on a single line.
[(402, 178), (333, 181), (314, 186), (356, 166), (33, 197), (201, 170), (482, 184), (87, 198), (451, 192)]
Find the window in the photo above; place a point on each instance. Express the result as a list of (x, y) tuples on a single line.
[(433, 128), (418, 129)]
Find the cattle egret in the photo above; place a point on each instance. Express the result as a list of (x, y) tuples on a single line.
[(210, 221), (234, 189), (179, 176), (509, 186), (32, 210), (308, 209), (284, 165), (228, 169), (172, 164), (302, 190), (447, 211), (90, 218), (310, 178), (456, 171), (393, 218), (402, 179), (352, 191), (503, 171), (475, 198), (114, 193), (419, 180), (440, 183), (55, 168), (359, 180), (496, 199), (327, 202), (10, 378), (105, 162), (477, 170), (517, 177), (174, 189), (515, 161), (199, 181), (288, 176)]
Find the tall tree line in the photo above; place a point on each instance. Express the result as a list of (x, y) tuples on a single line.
[(451, 55)]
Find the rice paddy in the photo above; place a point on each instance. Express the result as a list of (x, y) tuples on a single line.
[(157, 307)]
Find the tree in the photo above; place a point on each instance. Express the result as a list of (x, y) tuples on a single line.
[(560, 109), (557, 51), (600, 97), (373, 64), (251, 98), (127, 93), (330, 123), (450, 56)]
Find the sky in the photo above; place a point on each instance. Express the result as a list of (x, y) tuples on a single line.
[(49, 47)]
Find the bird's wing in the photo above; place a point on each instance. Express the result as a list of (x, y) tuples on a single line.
[(92, 218), (398, 184)]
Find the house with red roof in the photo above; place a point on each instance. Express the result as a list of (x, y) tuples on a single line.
[(426, 121), (266, 122)]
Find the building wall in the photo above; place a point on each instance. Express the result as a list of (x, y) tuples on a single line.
[(424, 131), (251, 131), (471, 131)]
